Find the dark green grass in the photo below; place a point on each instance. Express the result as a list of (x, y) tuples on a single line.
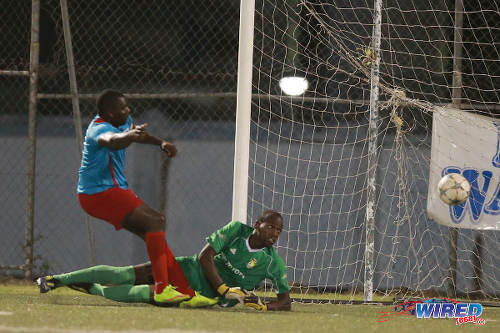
[(23, 309)]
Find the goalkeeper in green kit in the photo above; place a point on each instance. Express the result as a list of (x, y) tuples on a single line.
[(235, 259)]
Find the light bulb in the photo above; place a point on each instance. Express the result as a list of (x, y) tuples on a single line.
[(293, 85)]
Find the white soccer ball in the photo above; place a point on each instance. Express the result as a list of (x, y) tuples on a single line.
[(453, 189)]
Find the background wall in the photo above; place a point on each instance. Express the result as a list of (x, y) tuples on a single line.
[(327, 250)]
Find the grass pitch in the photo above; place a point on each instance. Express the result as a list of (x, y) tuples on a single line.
[(23, 309)]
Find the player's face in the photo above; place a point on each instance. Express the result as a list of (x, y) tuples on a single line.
[(120, 112), (269, 230)]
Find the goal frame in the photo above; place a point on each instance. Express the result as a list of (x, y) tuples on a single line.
[(243, 119), (243, 111)]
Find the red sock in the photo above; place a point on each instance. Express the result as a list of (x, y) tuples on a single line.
[(155, 243), (176, 275)]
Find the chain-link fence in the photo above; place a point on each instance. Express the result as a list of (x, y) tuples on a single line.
[(177, 62), (15, 24)]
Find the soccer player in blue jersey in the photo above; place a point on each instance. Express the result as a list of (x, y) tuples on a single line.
[(103, 190), (236, 258)]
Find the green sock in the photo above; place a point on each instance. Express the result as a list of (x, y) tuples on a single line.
[(98, 274), (124, 293)]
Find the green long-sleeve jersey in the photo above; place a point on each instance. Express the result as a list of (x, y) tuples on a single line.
[(237, 264)]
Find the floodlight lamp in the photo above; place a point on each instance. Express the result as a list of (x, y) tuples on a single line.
[(293, 85)]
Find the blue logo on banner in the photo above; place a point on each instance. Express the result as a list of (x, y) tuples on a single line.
[(496, 159), (476, 201)]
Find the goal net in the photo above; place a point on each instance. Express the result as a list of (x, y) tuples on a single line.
[(348, 162)]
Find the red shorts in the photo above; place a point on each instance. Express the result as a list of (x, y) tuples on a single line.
[(111, 205)]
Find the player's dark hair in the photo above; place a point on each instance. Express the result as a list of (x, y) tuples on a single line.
[(107, 100), (269, 215)]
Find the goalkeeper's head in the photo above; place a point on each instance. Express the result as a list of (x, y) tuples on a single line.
[(267, 229)]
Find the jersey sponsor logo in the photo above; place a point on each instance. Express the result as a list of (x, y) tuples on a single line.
[(233, 269), (252, 263), (233, 250)]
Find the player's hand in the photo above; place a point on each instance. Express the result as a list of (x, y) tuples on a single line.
[(138, 133), (141, 127), (168, 148), (232, 292), (254, 301)]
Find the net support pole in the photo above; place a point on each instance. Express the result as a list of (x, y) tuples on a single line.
[(243, 111), (372, 154), (32, 108), (77, 118), (456, 100)]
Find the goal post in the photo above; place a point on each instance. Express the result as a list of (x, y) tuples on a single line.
[(243, 111), (349, 161)]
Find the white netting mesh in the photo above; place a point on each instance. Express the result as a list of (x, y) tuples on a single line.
[(310, 154)]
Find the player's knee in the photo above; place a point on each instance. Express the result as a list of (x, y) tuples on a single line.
[(153, 222), (157, 223), (143, 274), (162, 221)]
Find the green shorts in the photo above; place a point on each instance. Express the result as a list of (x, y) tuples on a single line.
[(194, 274)]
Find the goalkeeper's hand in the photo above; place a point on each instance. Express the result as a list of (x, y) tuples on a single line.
[(232, 292), (253, 301)]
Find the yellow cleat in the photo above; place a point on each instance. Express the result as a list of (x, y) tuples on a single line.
[(199, 301), (170, 296)]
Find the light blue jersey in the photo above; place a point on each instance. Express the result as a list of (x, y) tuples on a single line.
[(101, 168)]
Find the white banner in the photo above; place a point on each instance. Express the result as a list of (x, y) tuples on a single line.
[(470, 145)]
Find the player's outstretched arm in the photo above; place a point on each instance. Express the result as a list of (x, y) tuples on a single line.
[(138, 134), (122, 140), (146, 138), (282, 304), (115, 141), (206, 259)]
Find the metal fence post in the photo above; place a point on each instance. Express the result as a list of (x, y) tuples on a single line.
[(34, 64), (77, 118)]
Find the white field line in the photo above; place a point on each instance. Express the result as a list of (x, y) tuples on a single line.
[(8, 329)]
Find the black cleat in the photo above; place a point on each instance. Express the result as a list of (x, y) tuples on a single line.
[(46, 283)]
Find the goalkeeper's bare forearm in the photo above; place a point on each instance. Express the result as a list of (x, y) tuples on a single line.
[(206, 259), (284, 303)]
